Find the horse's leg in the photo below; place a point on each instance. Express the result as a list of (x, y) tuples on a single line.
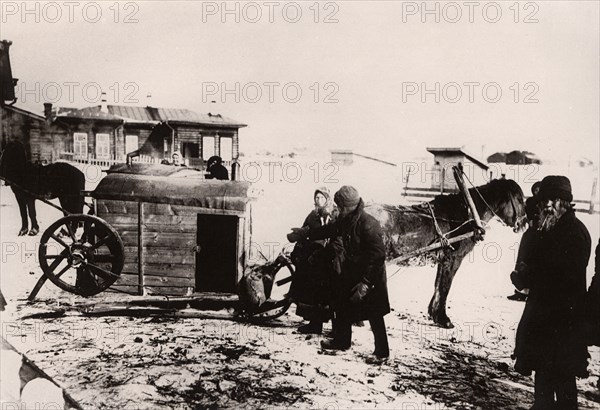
[(35, 228), (22, 201), (447, 268)]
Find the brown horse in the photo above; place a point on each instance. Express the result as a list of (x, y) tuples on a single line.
[(59, 180), (409, 228)]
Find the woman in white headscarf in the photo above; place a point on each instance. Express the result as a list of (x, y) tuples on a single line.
[(310, 289)]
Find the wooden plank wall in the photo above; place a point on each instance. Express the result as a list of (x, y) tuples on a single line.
[(168, 246)]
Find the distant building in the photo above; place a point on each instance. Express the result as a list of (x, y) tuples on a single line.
[(514, 158), (498, 157), (445, 158), (342, 157), (522, 158)]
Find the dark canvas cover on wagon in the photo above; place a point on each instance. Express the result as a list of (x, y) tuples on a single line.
[(182, 234)]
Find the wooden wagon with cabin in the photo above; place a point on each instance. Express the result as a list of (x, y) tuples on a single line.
[(158, 230), (180, 234)]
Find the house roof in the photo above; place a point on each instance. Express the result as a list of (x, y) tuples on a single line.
[(87, 113), (457, 151), (152, 115), (24, 112)]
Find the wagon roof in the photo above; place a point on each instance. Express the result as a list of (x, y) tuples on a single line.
[(187, 190)]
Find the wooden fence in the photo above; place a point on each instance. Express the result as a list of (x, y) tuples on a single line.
[(104, 162), (420, 194)]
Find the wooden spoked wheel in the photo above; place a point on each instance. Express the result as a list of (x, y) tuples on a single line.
[(279, 302), (81, 254)]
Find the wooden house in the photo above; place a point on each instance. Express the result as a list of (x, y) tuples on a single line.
[(445, 158), (109, 133), (41, 140), (181, 234)]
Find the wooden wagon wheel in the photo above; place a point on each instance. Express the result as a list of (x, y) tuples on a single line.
[(276, 306), (81, 254)]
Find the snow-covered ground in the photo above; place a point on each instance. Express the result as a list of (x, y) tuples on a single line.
[(116, 362)]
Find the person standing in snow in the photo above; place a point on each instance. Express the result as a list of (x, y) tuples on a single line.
[(360, 283), (310, 288), (548, 339)]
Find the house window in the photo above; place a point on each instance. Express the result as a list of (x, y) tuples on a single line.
[(131, 143), (208, 147), (102, 146), (226, 148), (80, 145)]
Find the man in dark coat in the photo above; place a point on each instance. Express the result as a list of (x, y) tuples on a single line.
[(548, 339), (215, 169), (360, 286)]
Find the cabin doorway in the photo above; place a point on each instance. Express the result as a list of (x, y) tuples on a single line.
[(216, 260)]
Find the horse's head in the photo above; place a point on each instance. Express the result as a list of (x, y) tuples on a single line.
[(13, 161), (505, 199)]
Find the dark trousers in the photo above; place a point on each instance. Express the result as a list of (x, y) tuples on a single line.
[(343, 333), (550, 382)]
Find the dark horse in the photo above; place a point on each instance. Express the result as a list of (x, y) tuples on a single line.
[(409, 228), (59, 180)]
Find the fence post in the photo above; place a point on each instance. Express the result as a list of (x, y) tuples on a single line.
[(443, 180), (406, 184), (593, 198)]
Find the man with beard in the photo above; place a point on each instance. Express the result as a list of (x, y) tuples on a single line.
[(359, 284), (548, 341)]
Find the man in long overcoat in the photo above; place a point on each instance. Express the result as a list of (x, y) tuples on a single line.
[(548, 340), (360, 286)]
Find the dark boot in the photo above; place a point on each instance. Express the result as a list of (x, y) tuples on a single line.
[(342, 337), (517, 296), (382, 349), (313, 327), (335, 344)]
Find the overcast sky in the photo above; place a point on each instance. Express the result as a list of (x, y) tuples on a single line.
[(371, 61)]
